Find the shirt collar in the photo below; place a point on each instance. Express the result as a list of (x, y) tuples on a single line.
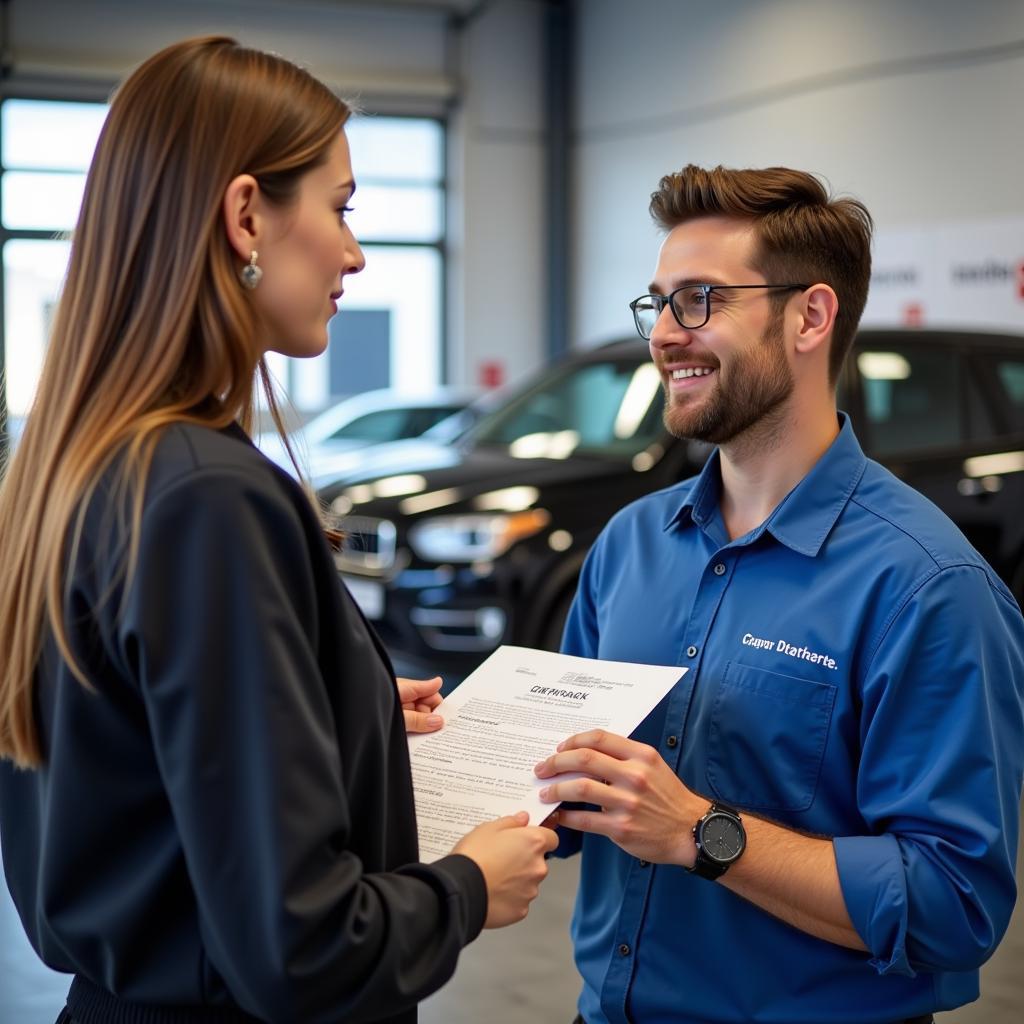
[(804, 518), (701, 502)]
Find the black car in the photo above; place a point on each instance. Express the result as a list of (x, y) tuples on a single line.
[(457, 549)]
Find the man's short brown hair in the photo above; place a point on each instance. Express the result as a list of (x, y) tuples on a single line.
[(802, 234)]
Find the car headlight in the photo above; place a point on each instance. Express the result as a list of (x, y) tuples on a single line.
[(472, 538)]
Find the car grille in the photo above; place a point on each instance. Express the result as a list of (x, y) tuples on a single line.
[(368, 544)]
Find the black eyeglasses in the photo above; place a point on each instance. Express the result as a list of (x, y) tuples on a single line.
[(691, 305)]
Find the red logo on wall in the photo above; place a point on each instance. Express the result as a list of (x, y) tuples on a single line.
[(1020, 280), (913, 314), (492, 374)]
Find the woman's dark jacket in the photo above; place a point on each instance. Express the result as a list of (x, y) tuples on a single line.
[(227, 819)]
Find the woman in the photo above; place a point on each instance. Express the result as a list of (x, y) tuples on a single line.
[(217, 822)]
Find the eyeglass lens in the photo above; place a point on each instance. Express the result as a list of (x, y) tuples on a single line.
[(690, 306)]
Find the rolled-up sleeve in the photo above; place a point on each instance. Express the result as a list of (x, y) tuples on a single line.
[(874, 887), (931, 886)]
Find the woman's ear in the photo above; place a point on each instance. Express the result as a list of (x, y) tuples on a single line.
[(241, 208), (818, 309)]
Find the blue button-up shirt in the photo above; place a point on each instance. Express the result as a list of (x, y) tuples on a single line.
[(856, 671)]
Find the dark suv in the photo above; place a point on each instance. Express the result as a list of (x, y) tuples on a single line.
[(456, 549)]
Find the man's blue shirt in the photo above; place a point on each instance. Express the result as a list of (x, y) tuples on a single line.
[(856, 671)]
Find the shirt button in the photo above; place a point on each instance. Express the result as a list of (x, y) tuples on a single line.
[(672, 741), (691, 651), (643, 863), (719, 569), (623, 950)]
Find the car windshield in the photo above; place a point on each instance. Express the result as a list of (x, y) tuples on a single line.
[(610, 408), (452, 427), (392, 424)]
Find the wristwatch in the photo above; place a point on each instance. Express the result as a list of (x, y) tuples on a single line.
[(721, 840)]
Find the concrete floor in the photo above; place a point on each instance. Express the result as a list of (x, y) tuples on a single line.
[(520, 975)]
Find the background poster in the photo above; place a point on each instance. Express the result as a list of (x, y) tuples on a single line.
[(965, 274)]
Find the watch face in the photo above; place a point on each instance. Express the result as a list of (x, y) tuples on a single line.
[(721, 838)]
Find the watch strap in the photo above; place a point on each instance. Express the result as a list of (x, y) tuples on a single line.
[(705, 867)]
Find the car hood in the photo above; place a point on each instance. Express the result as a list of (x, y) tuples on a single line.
[(342, 469), (467, 473)]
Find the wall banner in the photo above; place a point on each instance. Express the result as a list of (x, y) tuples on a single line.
[(967, 274)]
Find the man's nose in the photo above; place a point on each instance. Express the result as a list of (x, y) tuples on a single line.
[(667, 331)]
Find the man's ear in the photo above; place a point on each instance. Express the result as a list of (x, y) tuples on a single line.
[(817, 317), (242, 211)]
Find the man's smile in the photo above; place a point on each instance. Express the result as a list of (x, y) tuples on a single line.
[(682, 378)]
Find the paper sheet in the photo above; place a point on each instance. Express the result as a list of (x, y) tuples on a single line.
[(505, 717)]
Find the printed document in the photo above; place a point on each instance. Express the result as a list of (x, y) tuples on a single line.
[(507, 716)]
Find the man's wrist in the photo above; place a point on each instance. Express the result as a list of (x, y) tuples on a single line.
[(686, 848), (694, 807), (720, 840)]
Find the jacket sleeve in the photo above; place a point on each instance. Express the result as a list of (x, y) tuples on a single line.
[(931, 888), (219, 630)]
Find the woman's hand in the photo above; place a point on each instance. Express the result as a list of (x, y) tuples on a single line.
[(510, 854), (419, 697)]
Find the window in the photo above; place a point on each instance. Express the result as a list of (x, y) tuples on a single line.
[(45, 149), (1010, 371), (603, 408), (389, 330), (979, 410), (911, 399)]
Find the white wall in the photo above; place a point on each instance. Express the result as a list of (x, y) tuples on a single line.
[(496, 163), (870, 94)]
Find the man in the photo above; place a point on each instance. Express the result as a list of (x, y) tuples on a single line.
[(819, 823)]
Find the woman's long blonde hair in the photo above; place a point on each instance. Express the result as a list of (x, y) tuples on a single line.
[(153, 326)]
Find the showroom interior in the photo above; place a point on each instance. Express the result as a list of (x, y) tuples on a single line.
[(506, 152)]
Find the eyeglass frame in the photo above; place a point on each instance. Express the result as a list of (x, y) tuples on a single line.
[(707, 289)]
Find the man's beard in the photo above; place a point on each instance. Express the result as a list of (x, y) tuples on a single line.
[(758, 383)]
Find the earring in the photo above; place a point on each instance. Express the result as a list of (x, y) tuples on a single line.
[(251, 274)]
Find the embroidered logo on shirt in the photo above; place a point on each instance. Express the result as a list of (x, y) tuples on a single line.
[(785, 647)]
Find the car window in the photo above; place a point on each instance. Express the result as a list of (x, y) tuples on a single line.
[(1010, 370), (423, 419), (911, 398), (383, 425), (980, 411), (608, 408), (999, 410), (448, 429)]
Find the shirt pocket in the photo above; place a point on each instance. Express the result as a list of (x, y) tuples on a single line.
[(766, 738)]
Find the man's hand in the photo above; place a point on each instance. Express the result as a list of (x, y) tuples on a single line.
[(645, 808), (648, 811), (419, 697)]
